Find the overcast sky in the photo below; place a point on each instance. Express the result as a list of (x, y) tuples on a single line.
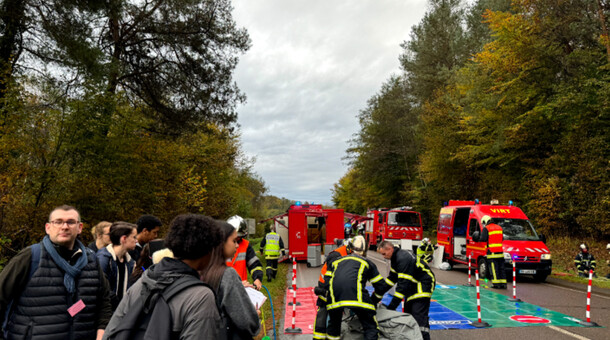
[(311, 69)]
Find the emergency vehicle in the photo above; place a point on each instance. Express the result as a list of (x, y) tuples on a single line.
[(303, 225), (459, 228), (394, 225)]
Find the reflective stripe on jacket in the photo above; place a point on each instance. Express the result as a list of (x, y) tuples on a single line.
[(272, 246), (238, 262), (494, 243), (348, 277), (342, 251)]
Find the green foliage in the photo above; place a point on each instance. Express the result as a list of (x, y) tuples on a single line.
[(525, 118)]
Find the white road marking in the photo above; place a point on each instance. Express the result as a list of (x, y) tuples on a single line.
[(576, 336), (578, 291)]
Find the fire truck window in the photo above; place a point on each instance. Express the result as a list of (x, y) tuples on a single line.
[(403, 219), (380, 218), (474, 226), (461, 221)]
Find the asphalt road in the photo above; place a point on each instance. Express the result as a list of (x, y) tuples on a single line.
[(557, 295)]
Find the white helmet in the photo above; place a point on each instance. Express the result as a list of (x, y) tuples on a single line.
[(358, 244), (485, 220), (239, 224), (425, 240), (608, 246)]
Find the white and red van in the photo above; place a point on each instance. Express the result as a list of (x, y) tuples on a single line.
[(459, 227)]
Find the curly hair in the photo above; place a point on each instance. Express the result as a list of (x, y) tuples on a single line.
[(193, 236)]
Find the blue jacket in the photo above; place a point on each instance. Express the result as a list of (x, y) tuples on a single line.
[(108, 263)]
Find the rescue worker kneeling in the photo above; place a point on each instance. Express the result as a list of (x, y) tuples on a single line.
[(346, 281), (414, 282)]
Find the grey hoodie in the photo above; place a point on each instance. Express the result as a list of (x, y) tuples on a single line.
[(194, 312)]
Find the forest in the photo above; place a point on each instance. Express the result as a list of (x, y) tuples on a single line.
[(496, 99), (119, 108)]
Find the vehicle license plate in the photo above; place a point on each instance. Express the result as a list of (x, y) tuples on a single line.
[(527, 271)]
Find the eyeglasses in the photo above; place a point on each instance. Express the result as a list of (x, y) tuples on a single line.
[(59, 223)]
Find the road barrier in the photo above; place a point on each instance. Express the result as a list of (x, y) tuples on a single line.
[(294, 281), (480, 323), (588, 314), (514, 298), (293, 329), (469, 284)]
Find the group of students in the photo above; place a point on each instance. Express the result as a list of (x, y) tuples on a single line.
[(343, 280), (60, 289)]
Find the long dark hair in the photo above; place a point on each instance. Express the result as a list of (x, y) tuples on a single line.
[(212, 274)]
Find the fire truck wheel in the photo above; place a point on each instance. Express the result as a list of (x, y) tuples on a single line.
[(482, 268), (540, 277)]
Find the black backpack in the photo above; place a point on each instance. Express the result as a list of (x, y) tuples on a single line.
[(150, 317)]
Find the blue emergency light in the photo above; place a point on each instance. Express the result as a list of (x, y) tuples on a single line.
[(297, 203), (510, 203)]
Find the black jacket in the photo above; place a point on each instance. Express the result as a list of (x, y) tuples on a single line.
[(412, 276), (348, 277)]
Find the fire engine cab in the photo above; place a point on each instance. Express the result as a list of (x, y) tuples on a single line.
[(393, 225), (459, 229)]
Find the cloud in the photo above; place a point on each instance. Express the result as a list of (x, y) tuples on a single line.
[(312, 67)]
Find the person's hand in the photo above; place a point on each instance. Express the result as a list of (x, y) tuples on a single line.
[(258, 284), (258, 310), (247, 284)]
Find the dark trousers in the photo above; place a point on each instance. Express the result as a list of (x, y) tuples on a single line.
[(419, 309), (366, 317), (319, 326), (497, 272), (271, 269)]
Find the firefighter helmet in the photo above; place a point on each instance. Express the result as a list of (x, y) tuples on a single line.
[(239, 224), (608, 246), (358, 244), (425, 240), (583, 246), (485, 220)]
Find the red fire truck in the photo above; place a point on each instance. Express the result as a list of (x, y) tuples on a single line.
[(308, 225), (394, 225), (459, 228)]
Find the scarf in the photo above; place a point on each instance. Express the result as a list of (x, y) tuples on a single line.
[(70, 271)]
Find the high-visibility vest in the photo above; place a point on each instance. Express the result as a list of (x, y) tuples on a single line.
[(494, 243), (341, 250), (272, 246), (238, 262)]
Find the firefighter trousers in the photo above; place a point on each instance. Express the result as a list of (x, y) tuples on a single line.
[(419, 309), (271, 268), (496, 272), (366, 317), (319, 326)]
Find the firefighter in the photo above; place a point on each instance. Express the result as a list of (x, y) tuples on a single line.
[(425, 250), (346, 282), (272, 247), (245, 258), (585, 262), (414, 281), (347, 230), (492, 234), (322, 313)]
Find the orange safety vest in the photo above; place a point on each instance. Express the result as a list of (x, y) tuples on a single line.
[(239, 260), (341, 250), (494, 243)]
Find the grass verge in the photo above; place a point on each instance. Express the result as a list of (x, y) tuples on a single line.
[(277, 289)]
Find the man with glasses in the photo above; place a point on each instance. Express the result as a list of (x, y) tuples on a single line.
[(55, 289)]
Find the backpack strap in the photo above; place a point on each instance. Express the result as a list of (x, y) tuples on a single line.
[(35, 261), (183, 283)]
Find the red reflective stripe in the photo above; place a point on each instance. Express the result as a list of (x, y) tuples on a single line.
[(495, 238)]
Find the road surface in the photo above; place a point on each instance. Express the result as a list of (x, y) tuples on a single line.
[(557, 295)]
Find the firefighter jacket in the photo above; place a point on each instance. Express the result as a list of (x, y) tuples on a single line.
[(425, 251), (321, 290), (493, 235), (412, 276), (347, 279), (273, 246), (245, 259), (585, 262)]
